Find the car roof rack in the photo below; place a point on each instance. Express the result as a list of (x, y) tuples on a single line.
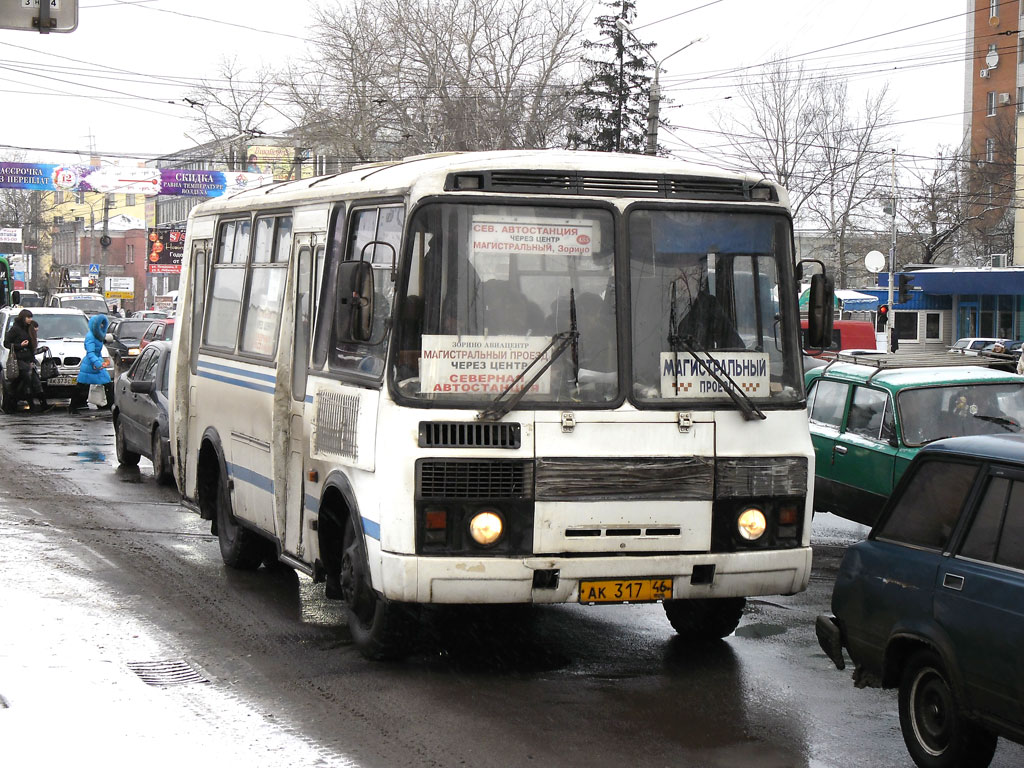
[(890, 360)]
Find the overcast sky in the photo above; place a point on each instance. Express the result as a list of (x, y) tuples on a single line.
[(116, 84)]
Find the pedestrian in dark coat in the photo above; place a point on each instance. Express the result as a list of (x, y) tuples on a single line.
[(21, 340)]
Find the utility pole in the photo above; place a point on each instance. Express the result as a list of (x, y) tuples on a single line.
[(891, 319), (654, 101)]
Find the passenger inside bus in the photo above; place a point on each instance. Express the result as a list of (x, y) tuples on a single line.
[(707, 323)]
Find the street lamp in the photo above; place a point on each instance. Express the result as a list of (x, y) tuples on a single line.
[(654, 103)]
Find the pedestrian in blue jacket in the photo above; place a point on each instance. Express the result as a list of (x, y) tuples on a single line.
[(93, 369)]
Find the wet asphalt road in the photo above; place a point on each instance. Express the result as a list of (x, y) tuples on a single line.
[(103, 571)]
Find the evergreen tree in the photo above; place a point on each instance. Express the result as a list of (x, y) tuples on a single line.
[(612, 116)]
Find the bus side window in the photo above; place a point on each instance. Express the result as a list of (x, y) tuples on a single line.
[(198, 278)]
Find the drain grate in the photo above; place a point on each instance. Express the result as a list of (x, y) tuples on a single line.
[(163, 673)]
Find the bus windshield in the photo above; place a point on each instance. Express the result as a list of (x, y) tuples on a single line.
[(489, 286), (706, 285)]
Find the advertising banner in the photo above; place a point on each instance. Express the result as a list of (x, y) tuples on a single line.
[(278, 162), (165, 249), (46, 177)]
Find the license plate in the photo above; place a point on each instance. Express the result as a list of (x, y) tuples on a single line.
[(625, 591), (62, 381)]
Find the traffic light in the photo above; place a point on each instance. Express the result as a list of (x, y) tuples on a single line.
[(903, 289), (92, 284), (881, 318)]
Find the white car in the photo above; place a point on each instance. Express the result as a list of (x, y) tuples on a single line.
[(90, 303), (63, 332), (972, 345)]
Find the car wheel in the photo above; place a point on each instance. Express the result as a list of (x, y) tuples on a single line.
[(125, 457), (702, 620), (935, 731), (161, 461), (240, 548), (380, 628)]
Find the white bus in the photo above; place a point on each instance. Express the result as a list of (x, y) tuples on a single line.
[(506, 377)]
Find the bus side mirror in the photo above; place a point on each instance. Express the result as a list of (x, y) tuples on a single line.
[(353, 310), (820, 301), (15, 298)]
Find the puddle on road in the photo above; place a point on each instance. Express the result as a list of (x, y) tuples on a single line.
[(760, 631), (95, 457)]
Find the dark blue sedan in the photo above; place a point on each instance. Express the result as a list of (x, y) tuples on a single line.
[(140, 411), (932, 602)]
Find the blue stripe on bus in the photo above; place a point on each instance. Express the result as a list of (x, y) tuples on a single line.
[(371, 528), (237, 371), (246, 475), (236, 382)]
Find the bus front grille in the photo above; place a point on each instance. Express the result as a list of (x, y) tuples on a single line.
[(462, 434), (471, 479)]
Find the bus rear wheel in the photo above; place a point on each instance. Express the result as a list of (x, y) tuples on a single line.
[(240, 548), (380, 628), (703, 620)]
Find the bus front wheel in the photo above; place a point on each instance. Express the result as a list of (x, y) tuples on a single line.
[(239, 547), (380, 628), (705, 619)]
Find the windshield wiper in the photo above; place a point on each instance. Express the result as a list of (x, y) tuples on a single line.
[(559, 343), (1002, 421), (710, 364)]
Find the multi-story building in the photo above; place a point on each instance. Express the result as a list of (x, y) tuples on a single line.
[(95, 228), (993, 104)]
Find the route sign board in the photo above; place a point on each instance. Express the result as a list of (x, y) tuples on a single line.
[(35, 16)]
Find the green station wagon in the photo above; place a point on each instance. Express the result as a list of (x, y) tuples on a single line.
[(870, 416)]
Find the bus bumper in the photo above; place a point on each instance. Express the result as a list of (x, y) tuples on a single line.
[(408, 578)]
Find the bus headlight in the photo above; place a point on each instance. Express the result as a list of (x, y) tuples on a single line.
[(751, 523), (486, 527)]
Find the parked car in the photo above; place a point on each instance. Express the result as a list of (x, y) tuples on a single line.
[(63, 332), (90, 303), (158, 330), (971, 345), (140, 411), (846, 334), (867, 422), (126, 335), (932, 602), (148, 314), (26, 298)]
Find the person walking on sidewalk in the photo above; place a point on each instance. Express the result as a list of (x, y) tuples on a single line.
[(21, 340), (93, 370)]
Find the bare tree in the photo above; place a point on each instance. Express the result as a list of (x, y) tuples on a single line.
[(231, 110), (25, 209), (394, 77), (938, 209), (849, 158), (774, 131)]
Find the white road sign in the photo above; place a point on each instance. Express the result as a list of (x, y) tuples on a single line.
[(10, 235), (24, 15)]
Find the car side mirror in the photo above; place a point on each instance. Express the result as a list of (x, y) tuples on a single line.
[(353, 312), (108, 338), (143, 386)]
